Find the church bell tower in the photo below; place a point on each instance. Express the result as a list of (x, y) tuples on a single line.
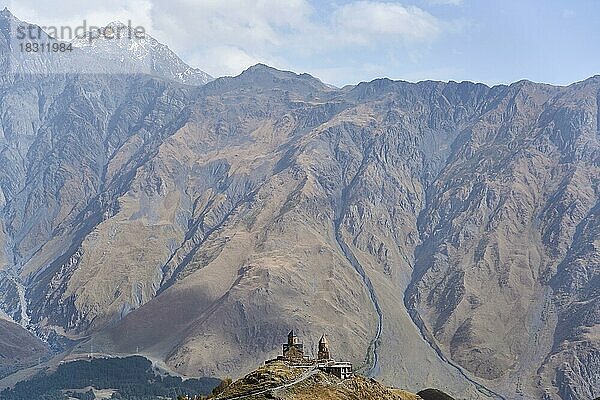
[(323, 353)]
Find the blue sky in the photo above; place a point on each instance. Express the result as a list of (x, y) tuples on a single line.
[(348, 41)]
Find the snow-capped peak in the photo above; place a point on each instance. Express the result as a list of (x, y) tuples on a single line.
[(126, 44)]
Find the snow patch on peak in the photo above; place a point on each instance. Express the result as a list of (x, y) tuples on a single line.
[(126, 44)]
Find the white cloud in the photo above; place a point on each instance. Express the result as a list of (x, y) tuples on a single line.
[(232, 34), (225, 60), (447, 2), (227, 36), (245, 24), (366, 21), (73, 13)]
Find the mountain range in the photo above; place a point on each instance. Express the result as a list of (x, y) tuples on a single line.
[(443, 234)]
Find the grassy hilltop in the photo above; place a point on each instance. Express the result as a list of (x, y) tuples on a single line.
[(278, 381)]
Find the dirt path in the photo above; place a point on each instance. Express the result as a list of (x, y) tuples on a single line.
[(296, 381)]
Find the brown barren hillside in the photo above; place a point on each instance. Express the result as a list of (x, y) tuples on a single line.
[(447, 233), (18, 347)]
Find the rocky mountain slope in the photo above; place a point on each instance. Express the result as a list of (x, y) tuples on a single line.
[(445, 234)]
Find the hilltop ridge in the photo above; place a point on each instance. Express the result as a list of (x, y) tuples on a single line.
[(279, 381)]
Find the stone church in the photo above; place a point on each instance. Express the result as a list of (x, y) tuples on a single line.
[(293, 355)]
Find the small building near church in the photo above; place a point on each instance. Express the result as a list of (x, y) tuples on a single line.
[(341, 369)]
